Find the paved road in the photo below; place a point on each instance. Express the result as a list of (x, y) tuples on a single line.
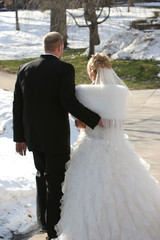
[(143, 130)]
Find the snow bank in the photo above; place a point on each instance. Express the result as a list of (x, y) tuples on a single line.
[(132, 44), (17, 178)]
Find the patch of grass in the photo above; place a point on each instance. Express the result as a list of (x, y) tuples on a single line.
[(158, 7), (137, 74), (11, 66), (79, 62)]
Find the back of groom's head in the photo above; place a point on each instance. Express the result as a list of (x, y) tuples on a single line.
[(51, 41)]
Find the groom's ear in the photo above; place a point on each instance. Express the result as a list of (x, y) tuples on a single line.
[(60, 50), (60, 46)]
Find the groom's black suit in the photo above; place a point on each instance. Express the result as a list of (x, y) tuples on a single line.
[(44, 94)]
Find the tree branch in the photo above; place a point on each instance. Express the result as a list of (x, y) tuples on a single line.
[(85, 18), (100, 13), (74, 18), (105, 17)]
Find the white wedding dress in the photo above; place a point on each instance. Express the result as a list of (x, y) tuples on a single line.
[(108, 191)]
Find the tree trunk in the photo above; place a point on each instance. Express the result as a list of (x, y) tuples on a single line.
[(16, 11), (58, 21), (91, 41), (130, 4), (96, 36), (91, 18)]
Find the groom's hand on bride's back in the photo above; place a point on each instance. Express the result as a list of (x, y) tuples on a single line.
[(80, 124)]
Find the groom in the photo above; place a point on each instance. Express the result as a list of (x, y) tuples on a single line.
[(44, 95)]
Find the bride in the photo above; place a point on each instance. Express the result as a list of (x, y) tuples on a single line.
[(108, 191)]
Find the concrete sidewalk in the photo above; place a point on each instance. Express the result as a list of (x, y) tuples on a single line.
[(7, 81), (143, 130), (144, 127)]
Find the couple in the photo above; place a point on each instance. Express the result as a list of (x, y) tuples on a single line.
[(107, 192)]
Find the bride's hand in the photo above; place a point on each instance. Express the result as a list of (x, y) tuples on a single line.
[(80, 124)]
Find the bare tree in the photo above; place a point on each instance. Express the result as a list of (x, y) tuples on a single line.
[(57, 17), (93, 11), (94, 15), (90, 16)]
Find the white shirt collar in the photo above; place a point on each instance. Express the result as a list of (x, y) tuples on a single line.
[(50, 54)]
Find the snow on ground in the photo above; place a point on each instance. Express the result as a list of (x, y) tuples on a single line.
[(35, 24), (17, 178), (17, 174)]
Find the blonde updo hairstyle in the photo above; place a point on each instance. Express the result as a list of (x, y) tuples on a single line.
[(99, 60)]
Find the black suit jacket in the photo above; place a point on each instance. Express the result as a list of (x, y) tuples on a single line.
[(44, 94)]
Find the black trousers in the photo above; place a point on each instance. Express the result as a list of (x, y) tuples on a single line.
[(50, 175)]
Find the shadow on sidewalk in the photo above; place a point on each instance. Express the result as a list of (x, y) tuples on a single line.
[(27, 235)]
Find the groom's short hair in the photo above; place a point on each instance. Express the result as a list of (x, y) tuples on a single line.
[(52, 40)]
